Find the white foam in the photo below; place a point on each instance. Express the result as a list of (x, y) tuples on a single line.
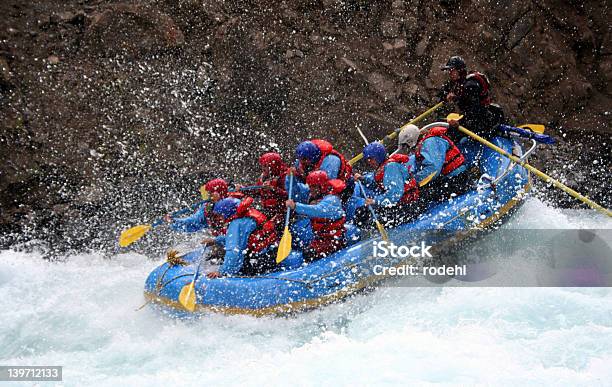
[(80, 314)]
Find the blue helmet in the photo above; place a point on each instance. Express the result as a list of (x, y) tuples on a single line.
[(376, 151), (308, 150), (226, 207)]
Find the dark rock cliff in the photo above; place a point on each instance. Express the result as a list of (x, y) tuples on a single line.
[(112, 113)]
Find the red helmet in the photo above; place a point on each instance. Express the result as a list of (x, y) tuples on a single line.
[(317, 179), (217, 185), (274, 161)]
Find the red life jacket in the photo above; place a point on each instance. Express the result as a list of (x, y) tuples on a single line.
[(327, 228), (215, 222), (453, 158), (264, 234), (485, 98), (273, 196), (345, 172), (329, 233), (411, 188), (236, 194)]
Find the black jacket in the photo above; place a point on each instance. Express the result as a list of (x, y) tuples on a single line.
[(478, 117)]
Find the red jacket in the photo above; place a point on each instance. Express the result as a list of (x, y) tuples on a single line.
[(327, 149), (411, 188), (264, 234), (453, 158), (273, 196), (328, 233)]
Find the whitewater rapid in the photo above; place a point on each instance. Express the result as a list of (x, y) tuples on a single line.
[(80, 314)]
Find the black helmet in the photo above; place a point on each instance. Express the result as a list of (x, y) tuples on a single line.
[(455, 62)]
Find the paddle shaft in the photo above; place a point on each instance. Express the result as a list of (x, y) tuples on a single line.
[(381, 228), (197, 269), (191, 285), (198, 204), (253, 188), (363, 192), (394, 134), (284, 245), (183, 211), (288, 213), (538, 173), (203, 257)]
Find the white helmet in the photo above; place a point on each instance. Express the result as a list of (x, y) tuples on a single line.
[(408, 137)]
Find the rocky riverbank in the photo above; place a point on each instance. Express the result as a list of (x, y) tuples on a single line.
[(112, 113)]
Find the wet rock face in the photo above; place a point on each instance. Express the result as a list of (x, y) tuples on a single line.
[(113, 113), (131, 30)]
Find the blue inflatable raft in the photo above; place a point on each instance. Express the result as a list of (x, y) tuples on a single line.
[(501, 189)]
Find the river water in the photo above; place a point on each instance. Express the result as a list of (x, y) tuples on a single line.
[(80, 314)]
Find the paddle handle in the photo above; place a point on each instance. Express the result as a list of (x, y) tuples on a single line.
[(538, 173), (394, 134)]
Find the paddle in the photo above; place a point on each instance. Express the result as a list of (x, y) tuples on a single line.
[(538, 128), (379, 225), (363, 136), (187, 297), (133, 234), (206, 195), (538, 173), (394, 134), (525, 132), (254, 187), (284, 246)]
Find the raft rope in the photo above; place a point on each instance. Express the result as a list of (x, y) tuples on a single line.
[(158, 287), (275, 278), (175, 278)]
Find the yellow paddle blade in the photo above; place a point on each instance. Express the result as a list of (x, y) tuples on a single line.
[(427, 179), (187, 297), (204, 193), (382, 231), (133, 234), (454, 117), (284, 247), (538, 128)]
